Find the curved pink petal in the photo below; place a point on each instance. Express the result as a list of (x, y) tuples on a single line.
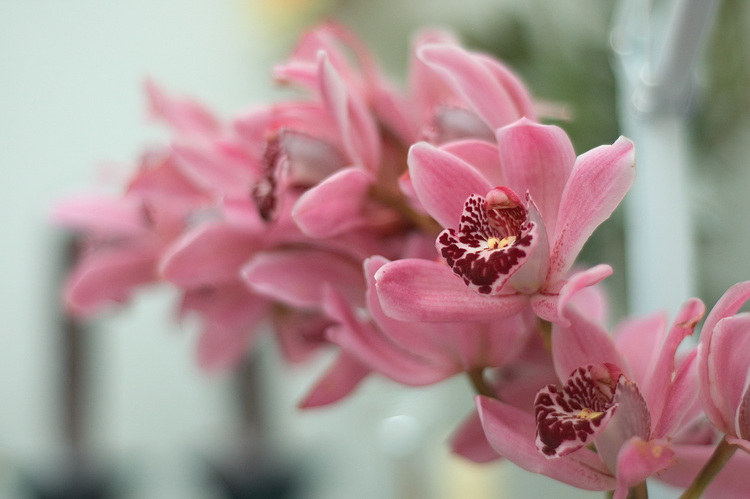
[(512, 433), (229, 315), (661, 375), (470, 77), (729, 304), (433, 342), (443, 182), (425, 89), (298, 277), (107, 276), (218, 167), (427, 291), (538, 159), (339, 381), (582, 342), (631, 419), (209, 254), (728, 369), (185, 115), (681, 401), (469, 441), (710, 393), (299, 333), (483, 156), (356, 126), (639, 459), (597, 184), (453, 347), (513, 85), (637, 339), (335, 205), (550, 304), (374, 350), (101, 215)]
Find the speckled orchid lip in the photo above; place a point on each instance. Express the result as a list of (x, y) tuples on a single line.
[(494, 239), (571, 417)]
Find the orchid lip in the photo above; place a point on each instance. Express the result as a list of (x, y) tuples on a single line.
[(493, 240)]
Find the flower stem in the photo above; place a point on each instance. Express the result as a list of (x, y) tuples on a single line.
[(713, 466), (478, 382)]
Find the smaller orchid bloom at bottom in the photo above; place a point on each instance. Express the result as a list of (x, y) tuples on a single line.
[(626, 396)]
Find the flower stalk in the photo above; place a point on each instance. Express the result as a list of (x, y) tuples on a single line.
[(713, 466)]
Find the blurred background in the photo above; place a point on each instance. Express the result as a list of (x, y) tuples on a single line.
[(129, 396)]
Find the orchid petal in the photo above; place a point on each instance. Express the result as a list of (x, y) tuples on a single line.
[(728, 365), (637, 339), (581, 342), (299, 333), (597, 184), (298, 277), (511, 432), (710, 393), (427, 291), (123, 217), (470, 442), (229, 315), (339, 381), (473, 81), (659, 378), (334, 205), (356, 126), (632, 419), (377, 352), (220, 167), (538, 159), (427, 339), (639, 459), (211, 253), (550, 305), (443, 182), (512, 84), (482, 156), (185, 115), (108, 276), (681, 401)]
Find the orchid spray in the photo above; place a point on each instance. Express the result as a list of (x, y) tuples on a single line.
[(422, 234)]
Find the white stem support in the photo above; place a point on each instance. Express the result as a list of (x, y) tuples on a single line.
[(654, 78)]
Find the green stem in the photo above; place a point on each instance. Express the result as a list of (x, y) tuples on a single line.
[(713, 466), (480, 385)]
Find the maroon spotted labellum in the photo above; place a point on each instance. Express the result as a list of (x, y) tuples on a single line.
[(571, 417), (495, 238)]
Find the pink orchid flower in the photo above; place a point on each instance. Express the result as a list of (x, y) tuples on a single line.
[(124, 237), (724, 366), (630, 406), (509, 252)]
